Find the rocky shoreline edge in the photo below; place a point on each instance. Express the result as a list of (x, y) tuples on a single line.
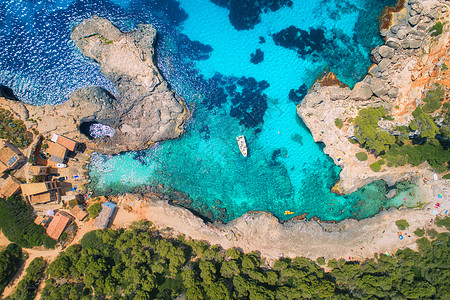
[(397, 81)]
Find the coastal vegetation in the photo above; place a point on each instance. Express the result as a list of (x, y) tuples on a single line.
[(361, 156), (14, 130), (419, 232), (140, 264), (437, 29), (10, 260), (17, 224), (339, 124), (425, 139), (402, 224), (27, 287), (94, 210), (376, 167)]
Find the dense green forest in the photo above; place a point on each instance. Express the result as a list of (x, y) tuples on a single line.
[(17, 224), (10, 260), (27, 287), (139, 264), (429, 140)]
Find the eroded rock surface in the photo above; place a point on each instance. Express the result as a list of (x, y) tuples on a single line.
[(405, 67), (145, 110)]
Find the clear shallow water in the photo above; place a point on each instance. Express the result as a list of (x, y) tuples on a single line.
[(207, 61)]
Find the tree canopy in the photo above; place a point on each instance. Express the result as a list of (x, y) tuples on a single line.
[(17, 224), (140, 264)]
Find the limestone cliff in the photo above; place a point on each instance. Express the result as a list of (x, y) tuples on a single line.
[(146, 110), (405, 66)]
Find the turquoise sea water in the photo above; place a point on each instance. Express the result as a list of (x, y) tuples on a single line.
[(208, 61)]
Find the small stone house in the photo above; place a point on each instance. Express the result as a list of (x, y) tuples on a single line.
[(57, 153), (41, 192), (79, 212), (102, 220), (10, 156), (58, 225), (10, 187), (67, 143), (37, 170)]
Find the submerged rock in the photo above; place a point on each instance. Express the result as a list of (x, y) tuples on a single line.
[(391, 194), (257, 57)]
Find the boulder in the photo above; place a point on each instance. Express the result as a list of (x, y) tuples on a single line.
[(414, 44), (405, 43), (338, 93), (414, 20), (378, 87), (391, 194), (361, 91), (417, 7), (384, 64), (432, 13), (393, 43), (376, 55), (386, 51), (393, 92), (402, 33), (395, 28)]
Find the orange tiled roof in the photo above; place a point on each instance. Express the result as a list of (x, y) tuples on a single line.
[(66, 142), (57, 226), (11, 186)]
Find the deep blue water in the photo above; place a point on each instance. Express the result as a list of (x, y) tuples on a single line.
[(241, 68)]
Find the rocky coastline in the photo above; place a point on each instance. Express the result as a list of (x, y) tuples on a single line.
[(402, 71), (146, 111)]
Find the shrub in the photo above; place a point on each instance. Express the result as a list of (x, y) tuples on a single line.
[(443, 222), (424, 245), (73, 203), (361, 156), (338, 123), (381, 162), (402, 224), (444, 67), (432, 233), (14, 130), (94, 210), (437, 29), (375, 167), (37, 178), (446, 176), (320, 261), (352, 141), (419, 232)]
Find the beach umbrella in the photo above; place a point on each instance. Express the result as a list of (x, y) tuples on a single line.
[(50, 213)]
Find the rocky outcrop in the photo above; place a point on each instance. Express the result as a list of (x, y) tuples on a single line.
[(146, 110), (409, 53)]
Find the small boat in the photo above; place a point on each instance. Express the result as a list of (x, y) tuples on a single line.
[(242, 145), (288, 212)]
